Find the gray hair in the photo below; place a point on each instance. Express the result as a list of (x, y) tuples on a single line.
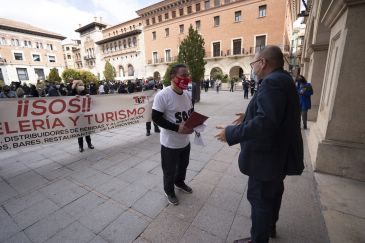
[(273, 55)]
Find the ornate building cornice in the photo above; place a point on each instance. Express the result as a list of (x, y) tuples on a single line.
[(336, 9)]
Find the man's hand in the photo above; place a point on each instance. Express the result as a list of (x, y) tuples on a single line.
[(221, 136), (239, 120), (185, 130)]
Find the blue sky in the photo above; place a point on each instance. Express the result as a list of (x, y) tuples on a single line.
[(64, 16)]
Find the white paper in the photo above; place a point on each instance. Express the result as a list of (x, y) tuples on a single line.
[(198, 140)]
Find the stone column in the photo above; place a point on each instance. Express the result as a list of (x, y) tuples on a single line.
[(337, 139)]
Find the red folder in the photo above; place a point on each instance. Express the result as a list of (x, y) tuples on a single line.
[(195, 120)]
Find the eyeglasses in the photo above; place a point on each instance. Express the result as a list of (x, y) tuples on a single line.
[(252, 63)]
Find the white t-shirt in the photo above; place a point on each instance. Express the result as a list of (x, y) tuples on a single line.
[(176, 109)]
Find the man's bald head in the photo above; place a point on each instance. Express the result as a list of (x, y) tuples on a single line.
[(273, 55)]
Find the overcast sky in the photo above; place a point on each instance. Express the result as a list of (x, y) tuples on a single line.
[(64, 16)]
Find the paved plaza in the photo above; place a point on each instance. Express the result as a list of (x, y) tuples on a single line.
[(53, 193)]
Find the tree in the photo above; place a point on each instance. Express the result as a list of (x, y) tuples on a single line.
[(53, 76), (166, 77), (70, 74), (87, 77), (192, 52), (109, 71)]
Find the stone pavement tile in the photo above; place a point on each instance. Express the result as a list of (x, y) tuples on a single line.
[(244, 208), (10, 170), (7, 192), (234, 171), (149, 180), (98, 239), (94, 180), (190, 175), (196, 165), (217, 166), (96, 156), (56, 174), (165, 228), (73, 233), (194, 234), (117, 169), (65, 158), (39, 163), (233, 183), (226, 155), (201, 190), (63, 192), (81, 165), (30, 157), (105, 164), (8, 227), (34, 213), (225, 199), (151, 204), (341, 194), (141, 240), (27, 181), (111, 187), (130, 194), (48, 226), (101, 216), (240, 228), (157, 170), (18, 204), (214, 220), (83, 205), (208, 176), (344, 227), (132, 174), (20, 237), (147, 165), (124, 229)]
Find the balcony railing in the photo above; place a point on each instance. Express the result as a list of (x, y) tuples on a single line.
[(161, 60), (2, 61), (88, 57)]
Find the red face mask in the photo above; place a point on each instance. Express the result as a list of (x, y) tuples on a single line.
[(182, 82)]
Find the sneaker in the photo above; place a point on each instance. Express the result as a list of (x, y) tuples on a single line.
[(172, 199), (148, 133), (244, 240), (185, 188)]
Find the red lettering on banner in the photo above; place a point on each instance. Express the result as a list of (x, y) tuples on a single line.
[(72, 104), (51, 106), (19, 110), (42, 108), (74, 120), (38, 124), (109, 116), (23, 125), (7, 129), (57, 123), (83, 104), (88, 103), (122, 115), (133, 112), (88, 118), (26, 108)]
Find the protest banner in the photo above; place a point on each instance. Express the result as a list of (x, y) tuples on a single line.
[(33, 121)]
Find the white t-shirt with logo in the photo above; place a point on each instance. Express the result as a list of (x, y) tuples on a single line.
[(176, 109)]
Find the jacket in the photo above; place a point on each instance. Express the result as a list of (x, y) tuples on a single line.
[(270, 136)]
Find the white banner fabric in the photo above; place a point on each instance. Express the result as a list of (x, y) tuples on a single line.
[(33, 121)]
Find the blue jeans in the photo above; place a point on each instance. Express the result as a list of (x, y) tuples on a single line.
[(265, 200)]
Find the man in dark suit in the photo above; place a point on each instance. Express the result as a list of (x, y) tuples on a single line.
[(271, 142)]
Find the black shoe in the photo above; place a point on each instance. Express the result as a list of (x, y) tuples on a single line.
[(81, 150), (91, 146), (273, 232), (148, 133), (185, 188), (244, 240), (172, 199)]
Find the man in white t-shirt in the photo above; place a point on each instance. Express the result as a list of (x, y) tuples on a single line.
[(171, 108)]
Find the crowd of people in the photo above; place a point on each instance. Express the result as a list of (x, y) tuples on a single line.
[(47, 88)]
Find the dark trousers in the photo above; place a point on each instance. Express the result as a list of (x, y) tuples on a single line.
[(81, 141), (148, 127), (265, 200), (245, 95), (304, 118), (174, 164)]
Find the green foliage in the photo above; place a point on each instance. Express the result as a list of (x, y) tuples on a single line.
[(166, 77), (53, 76), (109, 72), (87, 77), (70, 74), (216, 73), (2, 83), (191, 53)]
